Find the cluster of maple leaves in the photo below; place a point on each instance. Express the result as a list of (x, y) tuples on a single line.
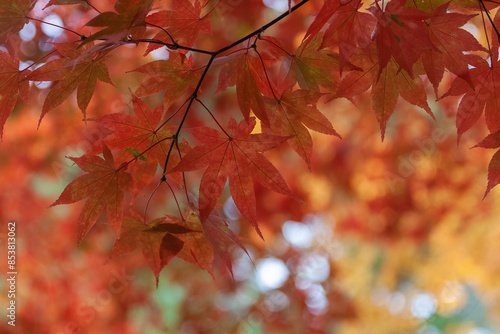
[(351, 47)]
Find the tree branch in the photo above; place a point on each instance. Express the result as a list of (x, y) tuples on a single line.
[(214, 54)]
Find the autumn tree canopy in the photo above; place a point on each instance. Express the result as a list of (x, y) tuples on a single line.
[(188, 102)]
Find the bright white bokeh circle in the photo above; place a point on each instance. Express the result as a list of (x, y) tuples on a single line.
[(50, 30), (271, 273)]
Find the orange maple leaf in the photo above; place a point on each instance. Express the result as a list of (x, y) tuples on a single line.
[(235, 155), (104, 185)]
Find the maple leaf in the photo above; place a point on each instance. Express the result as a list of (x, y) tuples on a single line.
[(211, 247), (290, 115), (485, 76), (13, 15), (144, 136), (158, 240), (451, 43), (235, 155), (349, 28), (197, 249), (387, 87), (70, 73), (492, 141), (328, 9), (392, 83), (183, 23), (312, 66), (104, 185), (174, 76), (203, 244), (129, 20), (222, 238), (355, 83), (401, 34), (12, 86), (246, 72)]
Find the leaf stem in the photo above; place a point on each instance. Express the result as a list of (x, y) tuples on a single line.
[(211, 10), (176, 201), (39, 60), (149, 200), (215, 119), (279, 47), (265, 72), (142, 153), (183, 175), (172, 116), (174, 43), (57, 26), (92, 6)]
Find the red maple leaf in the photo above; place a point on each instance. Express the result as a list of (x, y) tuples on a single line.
[(208, 246), (451, 43), (13, 15), (222, 238), (328, 9), (235, 154), (311, 66), (400, 33), (77, 70), (129, 20), (143, 136), (183, 23), (159, 240), (392, 83), (245, 70), (174, 76), (197, 249), (12, 86), (485, 76), (492, 141), (349, 28), (486, 80), (292, 113), (104, 188), (205, 245)]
